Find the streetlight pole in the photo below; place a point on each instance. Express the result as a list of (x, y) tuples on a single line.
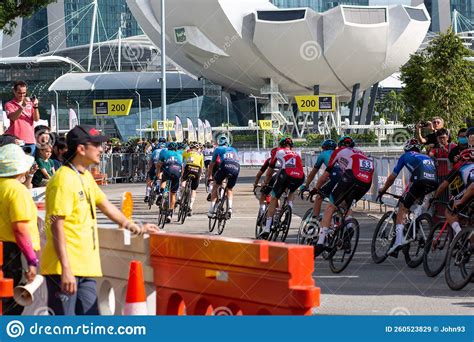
[(256, 122), (151, 117), (78, 113), (197, 104), (139, 113), (228, 121), (163, 62)]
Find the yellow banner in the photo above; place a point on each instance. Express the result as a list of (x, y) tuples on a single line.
[(316, 103), (162, 125), (111, 107), (265, 124)]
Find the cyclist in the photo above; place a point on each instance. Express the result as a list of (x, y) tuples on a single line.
[(266, 190), (151, 174), (193, 165), (423, 181), (355, 179), (459, 180), (328, 146), (290, 177), (208, 152), (229, 167), (171, 163)]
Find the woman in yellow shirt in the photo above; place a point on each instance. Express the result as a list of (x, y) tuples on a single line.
[(18, 220)]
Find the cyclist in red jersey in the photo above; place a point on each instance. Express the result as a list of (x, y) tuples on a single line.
[(290, 177), (265, 191), (357, 171)]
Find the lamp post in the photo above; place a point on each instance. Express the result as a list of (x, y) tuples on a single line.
[(139, 113), (151, 117), (228, 121), (197, 104), (163, 62), (256, 121)]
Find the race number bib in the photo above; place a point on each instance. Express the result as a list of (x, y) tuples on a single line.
[(366, 165)]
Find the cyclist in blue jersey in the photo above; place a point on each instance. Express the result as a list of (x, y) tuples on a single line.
[(171, 163), (422, 182), (151, 174), (229, 168), (328, 146)]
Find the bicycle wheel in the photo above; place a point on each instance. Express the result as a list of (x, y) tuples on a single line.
[(436, 249), (459, 264), (185, 202), (165, 211), (344, 245), (213, 221), (308, 229), (151, 198), (415, 250), (285, 223), (260, 224), (222, 214), (383, 238)]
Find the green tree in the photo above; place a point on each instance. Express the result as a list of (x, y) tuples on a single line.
[(11, 9), (440, 82), (392, 106)]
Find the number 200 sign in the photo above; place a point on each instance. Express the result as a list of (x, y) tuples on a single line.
[(316, 103), (111, 107)]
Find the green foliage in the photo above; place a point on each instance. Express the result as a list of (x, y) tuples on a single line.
[(392, 107), (11, 9), (440, 82)]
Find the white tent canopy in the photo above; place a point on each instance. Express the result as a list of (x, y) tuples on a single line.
[(121, 80)]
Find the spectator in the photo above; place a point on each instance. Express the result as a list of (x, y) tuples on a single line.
[(8, 139), (470, 137), (43, 136), (59, 149), (436, 124), (45, 166), (71, 259), (23, 112), (441, 152), (462, 144), (18, 220)]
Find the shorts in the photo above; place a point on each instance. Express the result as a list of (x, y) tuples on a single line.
[(348, 189), (195, 173), (151, 174), (284, 182), (172, 175), (334, 177), (269, 188), (417, 191), (207, 163), (230, 171)]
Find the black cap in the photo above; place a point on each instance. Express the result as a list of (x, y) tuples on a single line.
[(81, 135)]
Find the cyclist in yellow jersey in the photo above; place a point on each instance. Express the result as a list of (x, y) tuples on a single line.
[(193, 160)]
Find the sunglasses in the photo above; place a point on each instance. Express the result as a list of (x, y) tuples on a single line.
[(437, 122)]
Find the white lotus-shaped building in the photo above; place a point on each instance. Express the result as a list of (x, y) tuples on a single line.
[(242, 44)]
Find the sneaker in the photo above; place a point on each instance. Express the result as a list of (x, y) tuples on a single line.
[(319, 249), (211, 213), (190, 212), (168, 219), (229, 213), (146, 199), (393, 251), (264, 235), (209, 197), (158, 199)]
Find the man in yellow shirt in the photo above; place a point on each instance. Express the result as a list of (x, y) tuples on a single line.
[(18, 220), (71, 258), (193, 160)]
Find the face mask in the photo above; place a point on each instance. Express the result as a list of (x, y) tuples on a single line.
[(462, 141)]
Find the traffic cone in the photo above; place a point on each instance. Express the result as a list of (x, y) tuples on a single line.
[(135, 303)]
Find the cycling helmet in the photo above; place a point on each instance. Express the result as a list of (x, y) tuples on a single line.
[(172, 146), (470, 131), (194, 145), (209, 145), (329, 144), (286, 142), (162, 140), (200, 146), (223, 141), (181, 146), (346, 141), (467, 155), (162, 145), (412, 145)]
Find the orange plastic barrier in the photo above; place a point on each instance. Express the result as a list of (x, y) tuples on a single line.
[(6, 285), (198, 275)]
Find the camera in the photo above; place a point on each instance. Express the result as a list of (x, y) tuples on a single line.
[(424, 124)]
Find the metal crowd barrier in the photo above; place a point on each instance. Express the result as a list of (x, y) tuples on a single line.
[(125, 167)]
